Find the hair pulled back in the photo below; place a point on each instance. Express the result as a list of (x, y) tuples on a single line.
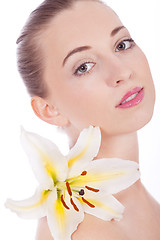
[(29, 56)]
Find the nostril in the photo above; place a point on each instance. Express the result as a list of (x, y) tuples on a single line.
[(118, 81)]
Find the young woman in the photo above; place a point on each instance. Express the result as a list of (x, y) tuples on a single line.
[(81, 68)]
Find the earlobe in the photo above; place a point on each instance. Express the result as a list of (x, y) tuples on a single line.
[(47, 112)]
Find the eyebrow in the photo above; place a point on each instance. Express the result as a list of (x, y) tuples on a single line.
[(76, 50), (84, 48), (116, 30)]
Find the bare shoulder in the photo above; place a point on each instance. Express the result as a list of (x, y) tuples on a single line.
[(85, 230), (43, 232)]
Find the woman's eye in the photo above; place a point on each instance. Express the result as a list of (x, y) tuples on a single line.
[(84, 68), (125, 44)]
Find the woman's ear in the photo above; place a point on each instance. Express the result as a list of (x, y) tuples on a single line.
[(47, 112)]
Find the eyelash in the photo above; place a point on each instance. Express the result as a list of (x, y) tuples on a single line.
[(83, 64), (130, 40), (132, 44)]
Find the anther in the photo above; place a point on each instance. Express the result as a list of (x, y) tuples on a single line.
[(81, 192), (84, 173), (68, 189), (74, 205), (92, 189), (88, 203), (63, 202)]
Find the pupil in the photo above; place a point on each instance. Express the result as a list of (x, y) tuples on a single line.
[(83, 68), (81, 192), (122, 46)]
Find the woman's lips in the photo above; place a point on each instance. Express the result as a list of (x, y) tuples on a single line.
[(132, 98)]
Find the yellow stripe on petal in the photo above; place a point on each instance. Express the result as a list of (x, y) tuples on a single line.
[(103, 206), (44, 197), (48, 165), (89, 178), (14, 205), (99, 204), (60, 216), (81, 154)]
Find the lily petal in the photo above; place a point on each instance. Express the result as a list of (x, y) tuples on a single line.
[(63, 222), (109, 175), (45, 158), (105, 207), (83, 152), (34, 207)]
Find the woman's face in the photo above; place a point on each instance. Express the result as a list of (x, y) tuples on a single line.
[(91, 63)]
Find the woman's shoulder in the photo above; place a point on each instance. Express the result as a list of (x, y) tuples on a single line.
[(85, 230), (43, 232)]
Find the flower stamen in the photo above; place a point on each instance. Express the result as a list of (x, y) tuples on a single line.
[(88, 203), (92, 189), (68, 189), (81, 192), (84, 173), (74, 205), (63, 202)]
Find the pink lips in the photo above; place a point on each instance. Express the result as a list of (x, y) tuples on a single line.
[(132, 98)]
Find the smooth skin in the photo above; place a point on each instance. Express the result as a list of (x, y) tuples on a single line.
[(85, 87)]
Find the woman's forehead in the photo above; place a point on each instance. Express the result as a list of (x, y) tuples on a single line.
[(82, 19), (83, 24)]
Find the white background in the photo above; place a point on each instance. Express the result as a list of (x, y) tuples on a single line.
[(16, 178)]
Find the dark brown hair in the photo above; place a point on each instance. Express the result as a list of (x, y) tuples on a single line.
[(30, 59)]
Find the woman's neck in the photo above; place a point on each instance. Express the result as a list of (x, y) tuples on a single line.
[(124, 146), (121, 146)]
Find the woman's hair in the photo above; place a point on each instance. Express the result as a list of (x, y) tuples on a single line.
[(29, 54)]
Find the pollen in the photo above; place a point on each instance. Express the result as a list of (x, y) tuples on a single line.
[(63, 202), (84, 173), (74, 205), (68, 189), (88, 203), (92, 189)]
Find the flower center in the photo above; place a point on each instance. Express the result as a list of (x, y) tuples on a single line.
[(66, 186), (81, 192)]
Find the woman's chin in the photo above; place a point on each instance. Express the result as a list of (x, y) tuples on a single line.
[(142, 120)]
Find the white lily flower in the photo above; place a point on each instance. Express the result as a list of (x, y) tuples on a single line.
[(73, 184)]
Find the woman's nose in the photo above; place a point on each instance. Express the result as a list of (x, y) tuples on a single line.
[(118, 72)]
